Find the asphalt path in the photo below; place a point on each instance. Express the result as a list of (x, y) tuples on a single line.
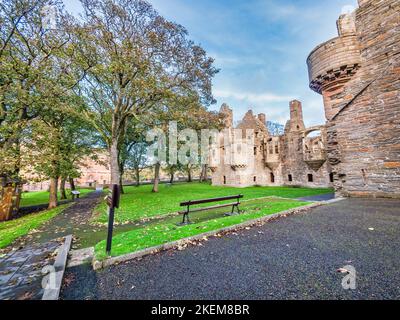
[(296, 257)]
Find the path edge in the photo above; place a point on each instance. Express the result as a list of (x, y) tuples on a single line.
[(60, 263), (98, 265)]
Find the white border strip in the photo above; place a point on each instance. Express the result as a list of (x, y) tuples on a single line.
[(59, 269)]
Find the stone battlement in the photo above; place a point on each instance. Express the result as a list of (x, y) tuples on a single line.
[(358, 75), (335, 62)]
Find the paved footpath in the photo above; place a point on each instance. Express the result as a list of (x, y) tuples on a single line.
[(291, 258), (21, 268), (73, 220), (21, 271)]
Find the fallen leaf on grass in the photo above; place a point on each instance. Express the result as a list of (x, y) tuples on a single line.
[(69, 279)]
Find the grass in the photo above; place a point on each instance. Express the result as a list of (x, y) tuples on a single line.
[(14, 229), (42, 197), (140, 202), (164, 232)]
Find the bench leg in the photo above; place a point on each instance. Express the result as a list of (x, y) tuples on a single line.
[(238, 209), (185, 219), (233, 209)]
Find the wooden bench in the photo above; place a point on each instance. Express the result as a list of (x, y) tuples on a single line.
[(188, 204)]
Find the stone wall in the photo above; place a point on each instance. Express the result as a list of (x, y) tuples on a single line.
[(363, 128), (94, 173)]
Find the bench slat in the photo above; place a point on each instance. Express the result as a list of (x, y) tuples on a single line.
[(194, 202), (213, 207)]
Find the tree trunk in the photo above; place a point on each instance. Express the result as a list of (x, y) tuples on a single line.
[(63, 194), (53, 193), (137, 175), (121, 166), (203, 176), (121, 185), (156, 177), (114, 163), (172, 175), (72, 184), (189, 172)]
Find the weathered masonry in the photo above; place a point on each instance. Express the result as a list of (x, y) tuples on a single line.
[(358, 75), (296, 158)]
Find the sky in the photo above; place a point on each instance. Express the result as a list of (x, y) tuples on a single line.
[(260, 47)]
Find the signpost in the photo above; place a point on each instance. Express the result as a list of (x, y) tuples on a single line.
[(112, 202)]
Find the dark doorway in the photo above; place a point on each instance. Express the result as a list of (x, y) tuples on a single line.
[(310, 178), (272, 178), (290, 178)]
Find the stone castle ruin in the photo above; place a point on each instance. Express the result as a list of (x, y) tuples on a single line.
[(296, 158), (358, 149)]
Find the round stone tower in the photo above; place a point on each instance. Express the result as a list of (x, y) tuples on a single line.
[(332, 64)]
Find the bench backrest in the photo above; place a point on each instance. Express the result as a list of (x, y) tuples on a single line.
[(194, 202)]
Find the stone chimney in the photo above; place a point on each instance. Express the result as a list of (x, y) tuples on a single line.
[(228, 115), (346, 24), (296, 116), (263, 118), (296, 110)]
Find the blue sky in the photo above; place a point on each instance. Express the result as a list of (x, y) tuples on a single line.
[(261, 47)]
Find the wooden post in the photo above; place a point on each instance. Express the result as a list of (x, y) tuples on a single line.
[(10, 195), (112, 202)]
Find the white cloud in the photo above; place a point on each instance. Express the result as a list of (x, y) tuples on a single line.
[(252, 98), (349, 8)]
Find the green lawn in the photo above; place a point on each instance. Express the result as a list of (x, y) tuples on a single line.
[(12, 230), (168, 231), (42, 197), (140, 202)]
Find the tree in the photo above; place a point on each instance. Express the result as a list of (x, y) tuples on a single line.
[(132, 150), (60, 139), (26, 52), (138, 160), (204, 119), (135, 60), (188, 113), (36, 90)]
